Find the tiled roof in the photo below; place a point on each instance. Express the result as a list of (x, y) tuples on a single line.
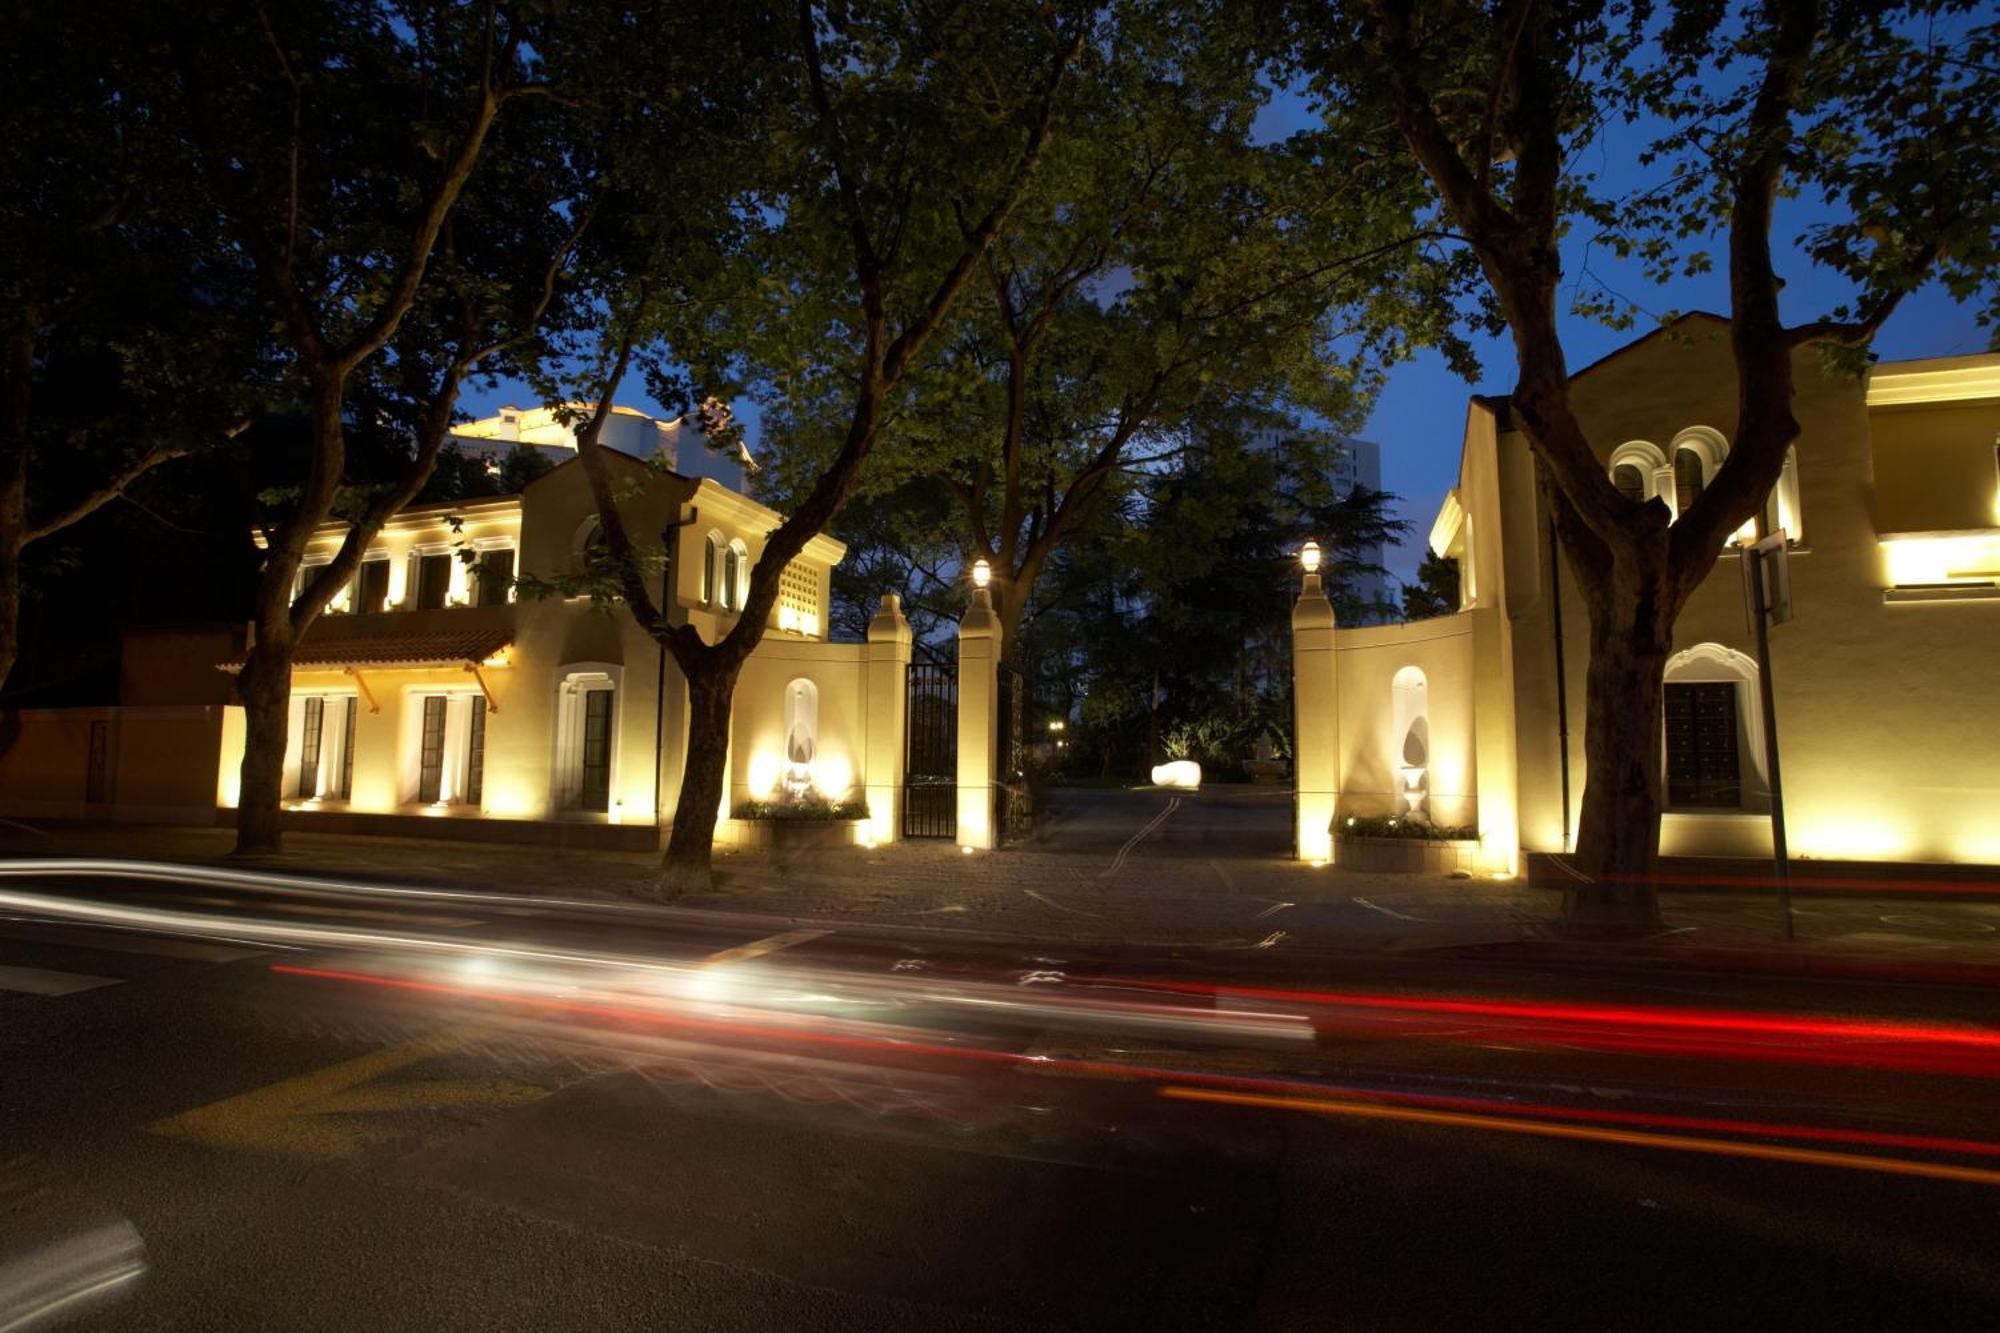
[(394, 650)]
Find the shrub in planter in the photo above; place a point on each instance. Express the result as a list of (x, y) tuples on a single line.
[(816, 808), (1390, 826)]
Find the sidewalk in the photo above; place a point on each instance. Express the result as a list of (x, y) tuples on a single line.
[(1078, 898)]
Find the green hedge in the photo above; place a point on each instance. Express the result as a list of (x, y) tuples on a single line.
[(811, 809), (1388, 826)]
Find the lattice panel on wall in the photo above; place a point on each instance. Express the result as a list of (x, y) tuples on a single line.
[(801, 599)]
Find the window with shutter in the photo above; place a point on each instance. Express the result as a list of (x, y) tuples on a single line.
[(309, 742), (475, 754), (594, 788), (1702, 748), (374, 590), (495, 573), (430, 754)]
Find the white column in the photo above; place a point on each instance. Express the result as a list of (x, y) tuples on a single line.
[(1316, 723), (978, 719), (887, 702)]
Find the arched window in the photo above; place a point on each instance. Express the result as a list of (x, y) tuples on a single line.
[(708, 555), (1712, 720), (1410, 708), (1635, 470), (1698, 454), (1688, 479), (1630, 481), (735, 575), (1782, 510)]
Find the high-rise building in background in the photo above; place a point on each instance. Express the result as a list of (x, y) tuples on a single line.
[(1360, 464)]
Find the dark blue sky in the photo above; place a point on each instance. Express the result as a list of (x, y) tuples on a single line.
[(1419, 419)]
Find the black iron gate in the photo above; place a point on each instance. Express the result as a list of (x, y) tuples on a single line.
[(930, 760), (1012, 805)]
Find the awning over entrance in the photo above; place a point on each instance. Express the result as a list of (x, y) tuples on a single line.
[(468, 648)]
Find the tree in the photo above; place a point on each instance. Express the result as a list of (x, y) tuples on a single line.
[(1167, 266), (1435, 593), (337, 141), (1885, 112), (117, 350), (1174, 614), (911, 137)]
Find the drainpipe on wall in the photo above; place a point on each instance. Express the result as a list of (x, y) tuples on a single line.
[(1562, 686)]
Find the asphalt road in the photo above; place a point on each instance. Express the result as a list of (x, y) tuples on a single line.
[(1240, 821), (298, 1147)]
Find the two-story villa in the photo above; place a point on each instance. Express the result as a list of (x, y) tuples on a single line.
[(431, 689)]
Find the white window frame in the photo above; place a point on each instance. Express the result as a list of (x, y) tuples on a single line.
[(566, 769), (457, 742), (1710, 664), (481, 546), (1653, 467), (332, 746), (736, 575), (454, 584)]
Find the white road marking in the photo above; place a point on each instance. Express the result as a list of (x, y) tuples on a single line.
[(1157, 820), (1272, 910), (1388, 911), (43, 981)]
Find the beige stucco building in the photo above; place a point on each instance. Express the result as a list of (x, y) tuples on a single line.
[(431, 690), (1883, 681)]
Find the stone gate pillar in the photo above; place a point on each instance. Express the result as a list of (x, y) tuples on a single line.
[(978, 720), (887, 705), (1315, 723)]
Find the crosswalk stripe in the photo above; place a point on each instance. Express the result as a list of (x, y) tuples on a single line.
[(157, 946), (43, 981)]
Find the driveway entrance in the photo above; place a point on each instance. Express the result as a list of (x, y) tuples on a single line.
[(1230, 821)]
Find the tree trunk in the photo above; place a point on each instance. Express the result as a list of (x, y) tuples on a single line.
[(16, 367), (685, 868), (1618, 829), (13, 521), (266, 687)]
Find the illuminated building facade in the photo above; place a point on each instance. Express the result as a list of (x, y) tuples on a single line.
[(432, 690), (1884, 679)]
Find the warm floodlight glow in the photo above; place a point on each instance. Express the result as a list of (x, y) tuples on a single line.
[(982, 572), (1309, 557)]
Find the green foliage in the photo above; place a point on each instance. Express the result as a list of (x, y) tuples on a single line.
[(1172, 621), (815, 809), (1435, 593), (1390, 826)]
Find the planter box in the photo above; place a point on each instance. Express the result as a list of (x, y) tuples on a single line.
[(779, 836), (1407, 856)]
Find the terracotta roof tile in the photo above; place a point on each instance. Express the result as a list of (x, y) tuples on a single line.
[(394, 650)]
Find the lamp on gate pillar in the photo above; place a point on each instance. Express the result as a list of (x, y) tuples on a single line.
[(982, 573), (1315, 716)]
